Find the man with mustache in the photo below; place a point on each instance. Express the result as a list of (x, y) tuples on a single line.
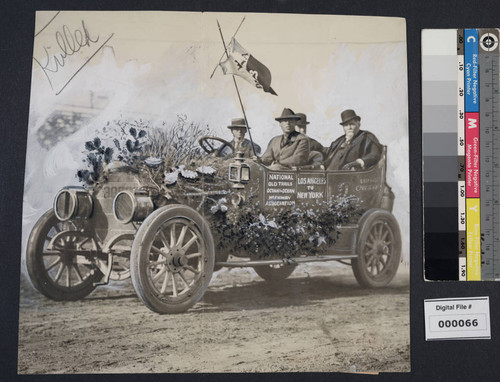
[(356, 149)]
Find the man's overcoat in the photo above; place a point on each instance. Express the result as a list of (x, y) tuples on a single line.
[(363, 146), (293, 151)]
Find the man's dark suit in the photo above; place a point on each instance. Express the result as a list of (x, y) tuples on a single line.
[(364, 146)]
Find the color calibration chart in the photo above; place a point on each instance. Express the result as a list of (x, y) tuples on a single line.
[(461, 154)]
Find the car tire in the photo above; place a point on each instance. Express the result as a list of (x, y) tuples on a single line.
[(172, 259), (379, 249), (57, 274)]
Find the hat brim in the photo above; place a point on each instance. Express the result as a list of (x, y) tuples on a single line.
[(236, 127), (357, 118), (289, 117)]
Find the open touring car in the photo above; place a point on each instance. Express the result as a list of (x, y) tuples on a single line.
[(125, 226)]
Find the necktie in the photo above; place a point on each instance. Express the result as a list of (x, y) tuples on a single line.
[(285, 141)]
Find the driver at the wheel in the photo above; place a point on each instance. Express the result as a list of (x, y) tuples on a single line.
[(240, 143), (289, 149)]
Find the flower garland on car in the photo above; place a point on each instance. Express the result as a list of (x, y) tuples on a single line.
[(287, 232)]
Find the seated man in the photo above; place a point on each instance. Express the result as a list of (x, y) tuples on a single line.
[(289, 149), (239, 142), (316, 148), (356, 149)]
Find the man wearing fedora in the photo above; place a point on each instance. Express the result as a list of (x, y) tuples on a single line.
[(356, 149), (289, 149), (301, 127), (240, 143)]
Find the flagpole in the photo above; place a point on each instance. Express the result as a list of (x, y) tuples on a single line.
[(238, 92), (223, 53)]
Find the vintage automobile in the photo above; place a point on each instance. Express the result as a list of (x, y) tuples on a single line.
[(126, 227)]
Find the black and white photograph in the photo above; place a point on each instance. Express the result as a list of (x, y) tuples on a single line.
[(214, 193)]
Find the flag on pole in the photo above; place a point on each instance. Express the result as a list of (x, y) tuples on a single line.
[(243, 64)]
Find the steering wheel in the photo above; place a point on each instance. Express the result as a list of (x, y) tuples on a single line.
[(207, 145)]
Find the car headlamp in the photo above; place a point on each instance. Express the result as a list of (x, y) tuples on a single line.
[(72, 203), (132, 206)]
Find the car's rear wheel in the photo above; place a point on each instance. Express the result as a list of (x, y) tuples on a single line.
[(275, 272), (60, 273), (172, 259), (379, 249)]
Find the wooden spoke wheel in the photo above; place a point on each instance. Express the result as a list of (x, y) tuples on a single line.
[(379, 249), (55, 262), (172, 259)]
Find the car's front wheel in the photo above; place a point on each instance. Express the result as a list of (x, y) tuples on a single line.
[(55, 262), (172, 259)]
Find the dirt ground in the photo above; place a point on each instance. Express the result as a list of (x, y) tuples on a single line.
[(319, 319)]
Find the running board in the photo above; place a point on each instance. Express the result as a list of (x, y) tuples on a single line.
[(298, 260)]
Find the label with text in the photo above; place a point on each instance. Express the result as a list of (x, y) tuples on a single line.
[(457, 318)]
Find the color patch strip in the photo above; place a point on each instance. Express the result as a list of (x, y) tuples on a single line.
[(472, 154), (439, 101)]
